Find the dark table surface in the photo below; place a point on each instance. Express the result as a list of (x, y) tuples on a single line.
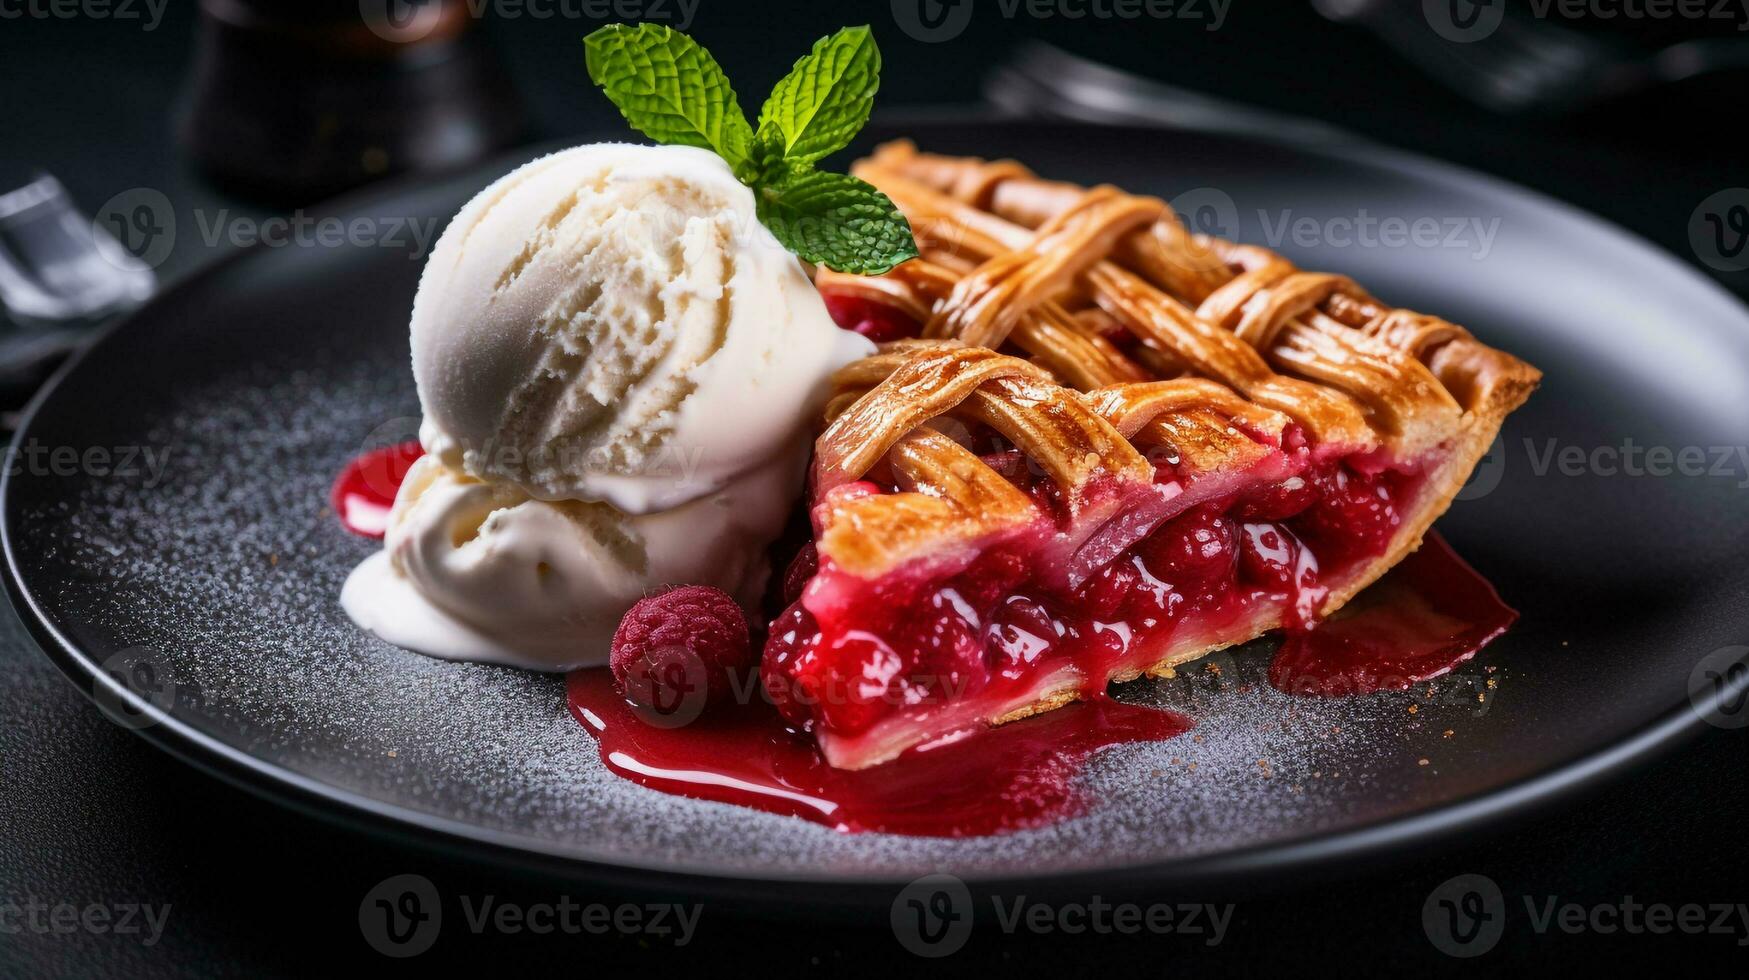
[(92, 816)]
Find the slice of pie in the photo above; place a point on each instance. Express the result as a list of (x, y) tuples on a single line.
[(1095, 445)]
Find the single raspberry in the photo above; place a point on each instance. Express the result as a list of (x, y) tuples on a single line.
[(679, 645)]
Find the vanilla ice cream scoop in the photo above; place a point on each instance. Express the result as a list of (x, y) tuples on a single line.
[(480, 571), (619, 368), (612, 323)]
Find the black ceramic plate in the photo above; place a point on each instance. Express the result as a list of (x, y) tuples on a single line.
[(209, 574)]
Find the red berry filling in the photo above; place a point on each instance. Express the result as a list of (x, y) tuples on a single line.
[(879, 322), (853, 652)]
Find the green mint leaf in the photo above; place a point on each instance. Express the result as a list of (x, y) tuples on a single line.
[(836, 220), (669, 88), (673, 91), (823, 101)]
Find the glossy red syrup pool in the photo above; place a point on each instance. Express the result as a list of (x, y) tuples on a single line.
[(1426, 616), (986, 782), (365, 490)]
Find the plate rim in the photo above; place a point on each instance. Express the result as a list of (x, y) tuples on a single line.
[(1463, 817)]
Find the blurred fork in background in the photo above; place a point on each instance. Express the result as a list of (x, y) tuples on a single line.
[(1042, 81), (1515, 59)]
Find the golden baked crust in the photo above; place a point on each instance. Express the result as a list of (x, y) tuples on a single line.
[(1233, 344)]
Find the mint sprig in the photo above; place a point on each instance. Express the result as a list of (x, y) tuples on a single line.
[(824, 100), (671, 90), (852, 225)]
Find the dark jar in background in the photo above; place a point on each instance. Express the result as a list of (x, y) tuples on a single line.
[(291, 101)]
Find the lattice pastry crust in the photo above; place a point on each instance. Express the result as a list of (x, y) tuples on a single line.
[(1094, 333), (1054, 269)]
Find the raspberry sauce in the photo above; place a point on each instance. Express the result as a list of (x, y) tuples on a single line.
[(1426, 616), (365, 489), (986, 782)]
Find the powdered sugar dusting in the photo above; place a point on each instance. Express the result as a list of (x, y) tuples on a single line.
[(224, 577)]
